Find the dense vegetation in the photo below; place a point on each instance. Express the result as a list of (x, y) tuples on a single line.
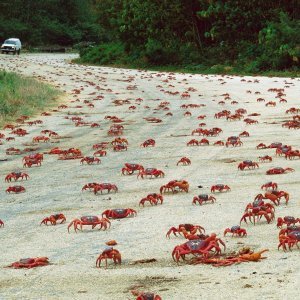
[(48, 22), (243, 35), (251, 36), (23, 96)]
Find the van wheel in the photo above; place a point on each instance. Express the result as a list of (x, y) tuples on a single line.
[(19, 51), (15, 52)]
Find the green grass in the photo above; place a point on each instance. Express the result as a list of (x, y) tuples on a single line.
[(23, 96)]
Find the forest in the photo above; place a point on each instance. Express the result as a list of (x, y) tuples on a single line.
[(48, 22), (251, 36)]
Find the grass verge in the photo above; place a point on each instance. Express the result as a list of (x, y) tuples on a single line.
[(23, 96)]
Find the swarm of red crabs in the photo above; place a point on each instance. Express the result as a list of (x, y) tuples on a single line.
[(199, 245)]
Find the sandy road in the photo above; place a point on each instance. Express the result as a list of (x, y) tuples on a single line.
[(56, 187)]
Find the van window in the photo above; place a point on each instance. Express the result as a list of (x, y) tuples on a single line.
[(10, 42)]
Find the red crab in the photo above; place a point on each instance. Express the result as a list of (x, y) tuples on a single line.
[(101, 146), (119, 148), (1, 223), (153, 199), (119, 213), (289, 229), (105, 186), (236, 231), (184, 160), (274, 196), (193, 142), (36, 156), (147, 143), (90, 160), (220, 188), (288, 220), (270, 185), (234, 141), (145, 295), (15, 189), (278, 170), (89, 186), (203, 198), (247, 164), (175, 186), (219, 143), (119, 141), (151, 172), (201, 247), (292, 154), (291, 239), (204, 142), (265, 158), (109, 253), (129, 169), (258, 209), (56, 150), (9, 126), (271, 103), (185, 95), (19, 132), (257, 203), (261, 146), (249, 121), (53, 219), (16, 176), (30, 162), (185, 228), (90, 221), (41, 138), (30, 263), (70, 154), (100, 153), (244, 134), (13, 151)]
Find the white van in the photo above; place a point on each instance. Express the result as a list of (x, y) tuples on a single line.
[(11, 45)]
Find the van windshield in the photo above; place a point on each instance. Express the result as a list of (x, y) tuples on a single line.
[(10, 42)]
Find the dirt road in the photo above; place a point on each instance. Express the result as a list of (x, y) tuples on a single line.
[(55, 187)]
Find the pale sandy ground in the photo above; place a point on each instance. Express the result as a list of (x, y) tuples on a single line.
[(56, 187)]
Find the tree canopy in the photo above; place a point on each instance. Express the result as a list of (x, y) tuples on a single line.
[(256, 34), (48, 22)]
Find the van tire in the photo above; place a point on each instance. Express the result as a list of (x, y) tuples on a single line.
[(19, 51)]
